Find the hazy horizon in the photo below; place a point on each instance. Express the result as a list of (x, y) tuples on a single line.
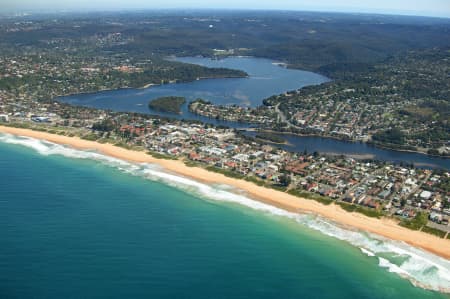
[(432, 8)]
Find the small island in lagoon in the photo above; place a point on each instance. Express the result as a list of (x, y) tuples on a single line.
[(169, 104), (385, 90)]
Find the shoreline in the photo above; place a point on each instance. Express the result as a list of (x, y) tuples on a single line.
[(146, 86), (384, 227), (369, 143), (387, 147)]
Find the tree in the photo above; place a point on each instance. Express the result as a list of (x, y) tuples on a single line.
[(285, 179), (402, 202)]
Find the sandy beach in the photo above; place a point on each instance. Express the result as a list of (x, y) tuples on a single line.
[(384, 227), (148, 85)]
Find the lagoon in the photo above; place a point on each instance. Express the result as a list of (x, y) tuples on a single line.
[(266, 78), (357, 150)]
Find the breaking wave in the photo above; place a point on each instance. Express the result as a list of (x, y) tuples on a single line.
[(422, 268)]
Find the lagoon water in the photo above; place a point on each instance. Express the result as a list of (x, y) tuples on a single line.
[(357, 149), (266, 78), (77, 224)]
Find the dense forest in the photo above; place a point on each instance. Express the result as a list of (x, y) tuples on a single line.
[(323, 42)]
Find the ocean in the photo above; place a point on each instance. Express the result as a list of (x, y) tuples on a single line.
[(77, 224)]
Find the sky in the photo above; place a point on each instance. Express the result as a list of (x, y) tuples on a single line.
[(437, 8)]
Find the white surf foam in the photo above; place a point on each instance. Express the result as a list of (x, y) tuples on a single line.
[(367, 252), (421, 268)]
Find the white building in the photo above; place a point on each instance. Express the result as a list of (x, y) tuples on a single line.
[(241, 158), (4, 118), (213, 150), (425, 194)]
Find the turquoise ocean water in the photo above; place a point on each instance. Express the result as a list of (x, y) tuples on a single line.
[(80, 225)]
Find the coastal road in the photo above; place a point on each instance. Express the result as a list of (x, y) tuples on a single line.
[(284, 119), (281, 115)]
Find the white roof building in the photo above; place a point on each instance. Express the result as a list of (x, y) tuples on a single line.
[(425, 194), (4, 117), (241, 157)]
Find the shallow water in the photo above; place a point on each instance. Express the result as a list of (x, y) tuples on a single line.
[(79, 224)]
